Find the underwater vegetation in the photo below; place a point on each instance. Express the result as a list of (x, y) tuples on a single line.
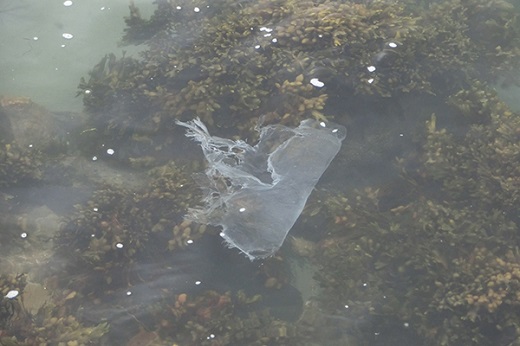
[(429, 257), (118, 226), (441, 260), (236, 60), (48, 323), (20, 162), (19, 165)]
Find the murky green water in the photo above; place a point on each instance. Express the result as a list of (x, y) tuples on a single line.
[(410, 237)]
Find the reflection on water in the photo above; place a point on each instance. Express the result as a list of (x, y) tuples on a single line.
[(409, 238)]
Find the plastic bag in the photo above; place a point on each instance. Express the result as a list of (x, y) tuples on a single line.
[(256, 193)]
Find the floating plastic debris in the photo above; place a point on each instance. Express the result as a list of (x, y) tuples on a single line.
[(256, 193)]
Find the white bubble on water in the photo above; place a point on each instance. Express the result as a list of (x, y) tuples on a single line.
[(12, 294)]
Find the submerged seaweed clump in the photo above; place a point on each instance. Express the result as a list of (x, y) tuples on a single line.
[(440, 262), (214, 318), (49, 322), (482, 169), (191, 319), (230, 62), (19, 166), (118, 227), (489, 283), (11, 286)]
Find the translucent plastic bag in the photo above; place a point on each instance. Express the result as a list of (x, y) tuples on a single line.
[(257, 193)]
